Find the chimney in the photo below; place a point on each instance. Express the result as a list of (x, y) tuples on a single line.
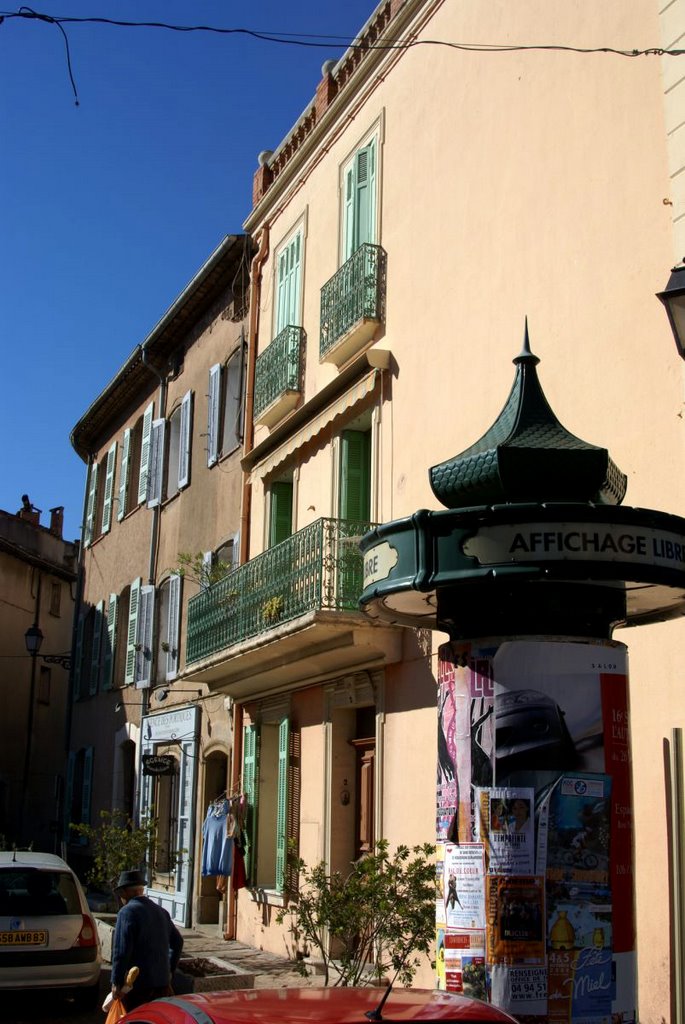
[(57, 520)]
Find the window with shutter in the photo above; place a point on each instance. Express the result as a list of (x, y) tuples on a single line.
[(251, 791), (124, 474), (213, 412), (96, 649), (185, 439), (91, 505), (110, 635), (78, 658), (359, 199), (355, 475), (280, 511), (173, 626), (133, 605), (156, 463), (109, 489), (266, 778), (282, 803), (289, 285), (231, 434), (145, 444), (144, 634)]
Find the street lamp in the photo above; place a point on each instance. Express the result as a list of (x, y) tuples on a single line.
[(33, 638), (673, 298)]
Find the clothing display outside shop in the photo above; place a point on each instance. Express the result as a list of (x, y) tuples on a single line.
[(222, 841)]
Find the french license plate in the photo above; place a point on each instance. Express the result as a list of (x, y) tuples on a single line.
[(24, 938)]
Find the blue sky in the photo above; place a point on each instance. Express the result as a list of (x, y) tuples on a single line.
[(109, 208)]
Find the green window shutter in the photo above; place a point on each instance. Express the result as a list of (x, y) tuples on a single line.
[(289, 283), (355, 475), (251, 791), (68, 794), (99, 613), (134, 601), (109, 488), (282, 804), (365, 195), (110, 642), (125, 474), (91, 504), (78, 659), (280, 512), (145, 452), (348, 213), (87, 785)]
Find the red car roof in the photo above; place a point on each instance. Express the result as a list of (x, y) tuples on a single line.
[(323, 1005)]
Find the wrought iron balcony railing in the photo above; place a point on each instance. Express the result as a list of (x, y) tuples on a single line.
[(319, 567), (278, 370), (354, 295)]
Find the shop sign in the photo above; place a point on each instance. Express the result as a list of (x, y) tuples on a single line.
[(159, 764), (379, 561)]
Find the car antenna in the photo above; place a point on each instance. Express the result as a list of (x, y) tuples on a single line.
[(377, 1013), (14, 855)]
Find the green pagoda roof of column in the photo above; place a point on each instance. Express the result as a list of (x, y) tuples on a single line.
[(528, 456)]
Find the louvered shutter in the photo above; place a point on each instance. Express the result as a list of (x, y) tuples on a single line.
[(69, 794), (145, 452), (281, 512), (91, 504), (78, 659), (144, 634), (355, 475), (109, 488), (213, 414), (125, 474), (348, 213), (110, 642), (282, 804), (156, 464), (365, 195), (184, 440), (289, 283), (173, 626), (87, 785), (133, 605), (251, 791), (98, 613)]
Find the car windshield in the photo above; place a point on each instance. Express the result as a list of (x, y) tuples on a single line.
[(30, 892)]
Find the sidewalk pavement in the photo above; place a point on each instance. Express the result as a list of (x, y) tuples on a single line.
[(266, 969)]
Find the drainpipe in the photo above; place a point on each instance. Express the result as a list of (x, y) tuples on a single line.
[(253, 334)]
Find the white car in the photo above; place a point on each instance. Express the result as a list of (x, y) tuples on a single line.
[(48, 936)]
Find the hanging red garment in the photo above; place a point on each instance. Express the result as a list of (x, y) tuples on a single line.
[(239, 877)]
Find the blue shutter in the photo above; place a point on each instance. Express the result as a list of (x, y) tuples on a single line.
[(173, 626), (144, 634), (213, 413)]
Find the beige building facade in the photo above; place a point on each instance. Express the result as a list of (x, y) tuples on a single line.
[(494, 163), (162, 442), (37, 593)]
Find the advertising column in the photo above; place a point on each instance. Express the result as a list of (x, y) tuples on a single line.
[(534, 829)]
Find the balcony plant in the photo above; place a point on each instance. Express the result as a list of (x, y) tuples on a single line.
[(272, 609)]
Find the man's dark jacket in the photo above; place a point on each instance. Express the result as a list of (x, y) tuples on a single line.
[(145, 937)]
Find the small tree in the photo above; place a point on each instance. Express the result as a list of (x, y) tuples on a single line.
[(116, 845), (200, 571), (376, 920)]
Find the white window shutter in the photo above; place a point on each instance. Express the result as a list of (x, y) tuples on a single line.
[(235, 552), (173, 626), (91, 504), (184, 440), (124, 474), (146, 622), (133, 605), (207, 563), (155, 474), (110, 642), (145, 452), (109, 488), (213, 410)]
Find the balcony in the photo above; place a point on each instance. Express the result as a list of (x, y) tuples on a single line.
[(353, 305), (288, 615), (278, 377)]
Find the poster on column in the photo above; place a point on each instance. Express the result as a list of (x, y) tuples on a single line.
[(464, 895), (505, 826)]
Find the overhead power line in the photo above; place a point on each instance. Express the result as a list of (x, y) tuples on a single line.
[(323, 41)]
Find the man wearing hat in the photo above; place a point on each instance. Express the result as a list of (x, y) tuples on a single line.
[(144, 937)]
